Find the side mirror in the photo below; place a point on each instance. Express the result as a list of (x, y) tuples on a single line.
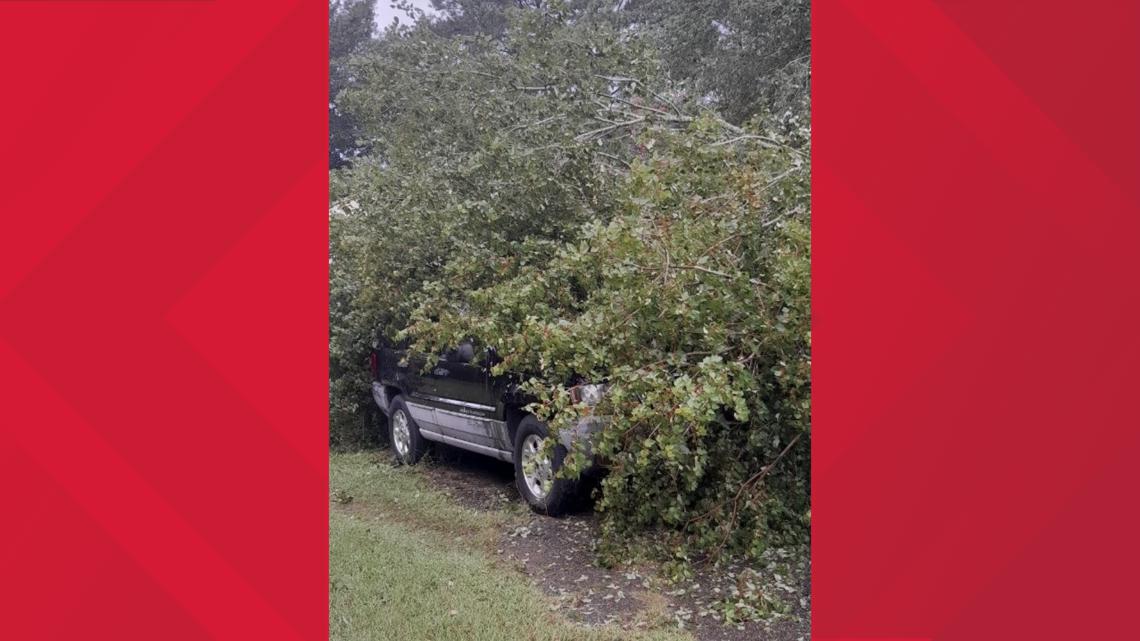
[(491, 357)]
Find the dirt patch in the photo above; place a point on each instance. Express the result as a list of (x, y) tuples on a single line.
[(471, 480), (558, 556)]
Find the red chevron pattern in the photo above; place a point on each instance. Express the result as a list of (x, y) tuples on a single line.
[(163, 320), (163, 327), (975, 229)]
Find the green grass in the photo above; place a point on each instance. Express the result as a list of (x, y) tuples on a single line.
[(408, 563)]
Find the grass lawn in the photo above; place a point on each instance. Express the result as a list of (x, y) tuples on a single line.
[(407, 563)]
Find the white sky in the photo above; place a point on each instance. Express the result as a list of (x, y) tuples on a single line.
[(385, 12)]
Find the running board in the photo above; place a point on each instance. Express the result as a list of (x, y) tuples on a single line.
[(467, 445)]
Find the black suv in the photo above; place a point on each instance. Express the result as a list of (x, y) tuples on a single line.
[(457, 401)]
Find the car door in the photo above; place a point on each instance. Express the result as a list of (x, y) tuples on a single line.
[(420, 387), (464, 405)]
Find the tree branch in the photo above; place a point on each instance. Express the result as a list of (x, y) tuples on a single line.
[(596, 133)]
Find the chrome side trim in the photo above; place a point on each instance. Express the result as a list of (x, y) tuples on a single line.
[(477, 430), (430, 435), (459, 421), (502, 455), (501, 435), (422, 415), (450, 401)]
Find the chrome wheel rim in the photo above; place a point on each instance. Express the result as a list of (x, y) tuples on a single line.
[(401, 433), (538, 473)]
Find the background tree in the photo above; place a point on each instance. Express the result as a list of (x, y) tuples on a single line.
[(748, 56), (351, 25), (489, 17), (470, 17)]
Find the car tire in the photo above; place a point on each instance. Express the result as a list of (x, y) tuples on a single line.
[(536, 476), (403, 433)]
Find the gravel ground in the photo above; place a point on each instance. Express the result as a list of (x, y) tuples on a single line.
[(557, 555)]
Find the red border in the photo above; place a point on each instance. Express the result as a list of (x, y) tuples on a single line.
[(975, 230), (163, 320), (163, 324)]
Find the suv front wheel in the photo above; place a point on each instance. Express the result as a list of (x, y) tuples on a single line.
[(535, 473)]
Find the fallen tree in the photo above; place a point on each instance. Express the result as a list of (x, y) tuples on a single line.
[(553, 195)]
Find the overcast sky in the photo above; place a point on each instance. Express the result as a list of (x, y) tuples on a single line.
[(385, 12)]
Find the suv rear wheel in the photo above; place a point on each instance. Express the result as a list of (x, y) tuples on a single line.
[(535, 473), (407, 443)]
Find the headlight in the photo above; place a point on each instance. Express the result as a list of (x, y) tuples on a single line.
[(589, 395)]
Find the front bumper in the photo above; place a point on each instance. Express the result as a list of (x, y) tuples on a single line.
[(578, 436)]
